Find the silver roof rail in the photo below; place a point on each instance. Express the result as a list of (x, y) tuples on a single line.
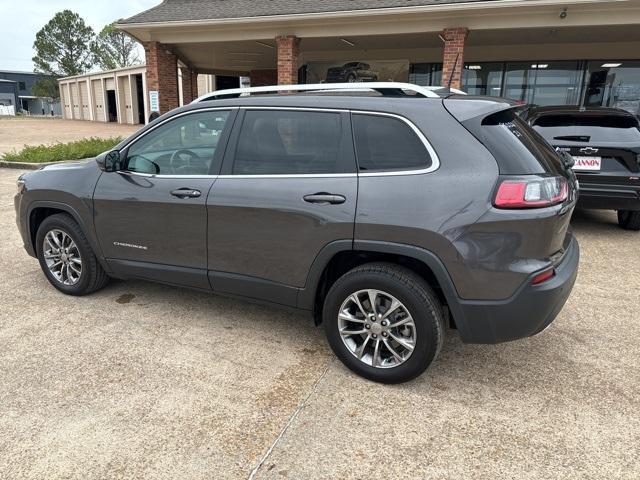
[(385, 88), (436, 88)]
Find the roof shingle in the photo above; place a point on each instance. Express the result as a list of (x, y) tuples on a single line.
[(185, 10)]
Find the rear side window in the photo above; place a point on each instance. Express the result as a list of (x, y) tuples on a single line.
[(518, 148), (588, 128), (291, 142), (386, 144)]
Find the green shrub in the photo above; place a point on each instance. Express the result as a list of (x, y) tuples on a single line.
[(86, 148)]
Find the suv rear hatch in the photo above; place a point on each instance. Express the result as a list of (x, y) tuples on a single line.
[(534, 180), (604, 144)]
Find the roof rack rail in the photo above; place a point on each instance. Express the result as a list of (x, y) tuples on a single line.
[(384, 88)]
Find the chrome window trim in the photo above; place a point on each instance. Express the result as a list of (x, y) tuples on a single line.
[(153, 175), (296, 109), (294, 175), (435, 160)]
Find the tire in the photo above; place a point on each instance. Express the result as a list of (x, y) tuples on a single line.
[(92, 276), (416, 299), (629, 219), (351, 78)]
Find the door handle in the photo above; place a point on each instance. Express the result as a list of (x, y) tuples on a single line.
[(325, 198), (186, 193)]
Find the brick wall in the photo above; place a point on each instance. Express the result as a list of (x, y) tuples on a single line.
[(263, 78), (288, 59), (453, 48), (189, 85), (162, 74)]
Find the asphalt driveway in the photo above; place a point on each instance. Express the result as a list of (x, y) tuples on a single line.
[(147, 381)]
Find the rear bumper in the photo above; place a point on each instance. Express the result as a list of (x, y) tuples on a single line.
[(609, 196), (529, 311)]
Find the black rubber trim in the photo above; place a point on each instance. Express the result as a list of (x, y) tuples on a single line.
[(88, 233), (168, 274)]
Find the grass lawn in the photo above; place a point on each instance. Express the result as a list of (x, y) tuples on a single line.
[(85, 148)]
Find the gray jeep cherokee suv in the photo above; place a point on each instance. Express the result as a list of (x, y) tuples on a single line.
[(388, 217)]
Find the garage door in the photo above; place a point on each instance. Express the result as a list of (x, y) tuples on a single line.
[(75, 100), (98, 100), (125, 99), (66, 100), (84, 100)]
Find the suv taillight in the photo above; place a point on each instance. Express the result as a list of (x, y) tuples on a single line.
[(536, 192)]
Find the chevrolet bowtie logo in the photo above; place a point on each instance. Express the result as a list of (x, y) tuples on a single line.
[(589, 150)]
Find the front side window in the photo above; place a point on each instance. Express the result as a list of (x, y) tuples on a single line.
[(183, 146), (388, 144), (276, 142)]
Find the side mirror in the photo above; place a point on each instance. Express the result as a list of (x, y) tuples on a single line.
[(109, 161)]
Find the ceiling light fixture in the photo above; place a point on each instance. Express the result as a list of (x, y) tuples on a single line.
[(611, 65), (344, 40), (265, 45), (474, 67), (540, 65)]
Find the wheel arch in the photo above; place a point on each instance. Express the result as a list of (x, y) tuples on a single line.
[(40, 210), (339, 257)]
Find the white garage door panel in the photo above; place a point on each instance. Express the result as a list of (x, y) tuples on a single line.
[(98, 100), (75, 100), (66, 100), (84, 99)]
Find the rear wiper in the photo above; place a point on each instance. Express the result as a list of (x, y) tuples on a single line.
[(574, 138)]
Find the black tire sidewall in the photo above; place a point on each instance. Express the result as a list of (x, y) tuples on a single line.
[(428, 326), (629, 219), (70, 227)]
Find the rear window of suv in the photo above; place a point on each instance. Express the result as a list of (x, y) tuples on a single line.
[(386, 144), (518, 148), (587, 127)]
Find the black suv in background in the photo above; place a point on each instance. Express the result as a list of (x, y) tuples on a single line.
[(605, 146), (387, 217)]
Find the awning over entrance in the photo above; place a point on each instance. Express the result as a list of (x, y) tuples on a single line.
[(429, 41)]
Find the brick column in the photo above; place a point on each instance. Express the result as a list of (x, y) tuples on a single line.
[(189, 85), (288, 59), (454, 39), (194, 84), (162, 74)]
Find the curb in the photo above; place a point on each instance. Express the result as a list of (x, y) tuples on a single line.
[(33, 166)]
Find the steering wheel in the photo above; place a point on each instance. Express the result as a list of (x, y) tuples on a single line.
[(179, 162)]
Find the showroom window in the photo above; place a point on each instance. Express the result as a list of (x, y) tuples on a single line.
[(425, 74), (591, 83), (483, 78), (544, 83), (613, 84)]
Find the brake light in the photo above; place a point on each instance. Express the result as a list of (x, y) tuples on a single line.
[(536, 192), (543, 277)]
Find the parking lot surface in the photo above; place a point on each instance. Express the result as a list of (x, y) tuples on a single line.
[(16, 132), (148, 381)]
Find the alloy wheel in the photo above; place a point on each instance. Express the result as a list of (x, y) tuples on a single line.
[(377, 328), (62, 257)]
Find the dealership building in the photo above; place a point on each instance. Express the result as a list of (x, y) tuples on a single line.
[(583, 52)]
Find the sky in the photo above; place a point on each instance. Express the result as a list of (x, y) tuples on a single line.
[(29, 16)]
